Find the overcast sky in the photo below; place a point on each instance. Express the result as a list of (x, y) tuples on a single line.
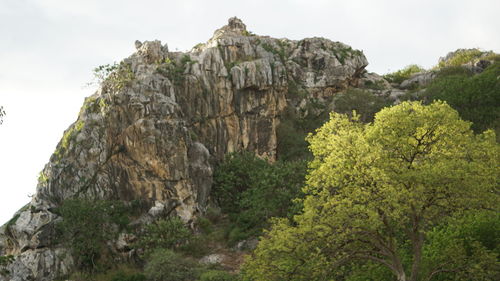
[(48, 49)]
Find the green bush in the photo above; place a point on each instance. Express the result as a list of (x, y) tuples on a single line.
[(127, 277), (363, 102), (471, 242), (165, 233), (403, 74), (217, 275), (166, 265), (251, 191), (294, 127), (114, 76), (4, 262), (475, 97), (87, 225), (464, 56), (204, 224)]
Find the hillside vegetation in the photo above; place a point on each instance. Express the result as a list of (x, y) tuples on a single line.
[(251, 158)]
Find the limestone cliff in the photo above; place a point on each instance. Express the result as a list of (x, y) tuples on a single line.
[(160, 121)]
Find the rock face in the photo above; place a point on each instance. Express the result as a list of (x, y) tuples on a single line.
[(160, 121)]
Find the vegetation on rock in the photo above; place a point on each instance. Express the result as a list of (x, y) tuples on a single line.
[(87, 226), (403, 74), (167, 233), (465, 56), (114, 77)]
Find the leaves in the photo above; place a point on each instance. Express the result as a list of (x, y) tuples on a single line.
[(251, 191), (375, 190)]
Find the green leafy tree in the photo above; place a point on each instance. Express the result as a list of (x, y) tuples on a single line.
[(376, 192), (165, 233), (365, 103), (252, 190), (475, 97), (465, 248), (87, 226)]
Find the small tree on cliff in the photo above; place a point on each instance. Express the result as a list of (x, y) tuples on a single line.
[(375, 191)]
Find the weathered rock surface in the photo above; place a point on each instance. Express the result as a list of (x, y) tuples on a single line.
[(160, 121)]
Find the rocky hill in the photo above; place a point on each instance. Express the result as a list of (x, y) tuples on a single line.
[(161, 120)]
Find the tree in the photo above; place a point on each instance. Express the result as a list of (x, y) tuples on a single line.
[(475, 97), (87, 226), (252, 190), (375, 192), (365, 103)]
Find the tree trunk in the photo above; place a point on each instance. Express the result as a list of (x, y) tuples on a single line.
[(417, 256)]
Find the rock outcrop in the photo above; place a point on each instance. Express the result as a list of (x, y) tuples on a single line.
[(160, 121)]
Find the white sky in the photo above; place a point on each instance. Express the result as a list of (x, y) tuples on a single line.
[(48, 49)]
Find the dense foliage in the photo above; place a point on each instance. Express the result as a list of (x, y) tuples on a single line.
[(217, 275), (166, 265), (86, 226), (251, 190), (464, 56), (403, 74), (365, 103), (475, 97), (295, 126), (165, 234), (381, 195), (4, 262)]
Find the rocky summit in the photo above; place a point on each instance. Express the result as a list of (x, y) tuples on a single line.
[(161, 120)]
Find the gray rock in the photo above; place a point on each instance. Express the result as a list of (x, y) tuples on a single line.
[(421, 79), (247, 245), (212, 259)]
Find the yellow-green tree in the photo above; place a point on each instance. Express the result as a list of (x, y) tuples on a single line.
[(375, 191)]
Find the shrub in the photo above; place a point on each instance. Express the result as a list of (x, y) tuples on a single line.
[(403, 74), (463, 56), (365, 103), (217, 275), (4, 262), (165, 233), (166, 265), (251, 191), (114, 76), (86, 226), (294, 127), (475, 97), (129, 277)]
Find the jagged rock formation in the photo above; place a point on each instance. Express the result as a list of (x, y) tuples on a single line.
[(160, 121)]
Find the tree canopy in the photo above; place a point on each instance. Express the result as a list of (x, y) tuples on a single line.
[(475, 97), (381, 195)]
